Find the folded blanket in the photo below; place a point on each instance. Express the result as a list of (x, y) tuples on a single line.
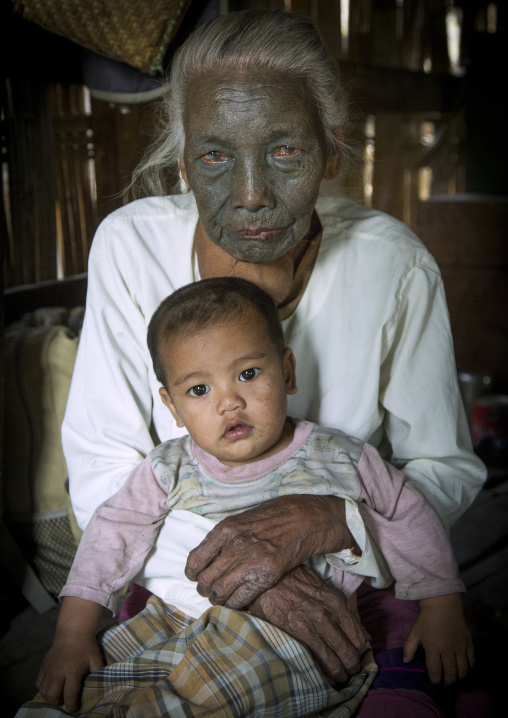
[(225, 664)]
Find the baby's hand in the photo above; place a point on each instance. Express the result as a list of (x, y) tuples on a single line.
[(70, 657), (441, 630)]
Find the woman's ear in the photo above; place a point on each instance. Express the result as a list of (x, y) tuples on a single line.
[(289, 364), (168, 401), (332, 166), (183, 173)]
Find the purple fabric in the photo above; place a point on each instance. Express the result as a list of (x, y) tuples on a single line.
[(400, 689), (387, 619), (403, 689), (393, 703), (135, 602), (395, 674)]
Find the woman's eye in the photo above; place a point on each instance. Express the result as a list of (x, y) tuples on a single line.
[(248, 374), (199, 390), (214, 156), (286, 151)]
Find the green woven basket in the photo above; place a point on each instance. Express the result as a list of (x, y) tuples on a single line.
[(136, 32)]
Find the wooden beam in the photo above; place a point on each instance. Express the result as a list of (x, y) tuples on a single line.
[(394, 90), (69, 292)]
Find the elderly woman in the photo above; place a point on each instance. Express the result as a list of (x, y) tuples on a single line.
[(255, 120)]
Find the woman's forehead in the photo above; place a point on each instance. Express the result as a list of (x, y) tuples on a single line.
[(226, 96), (252, 84), (252, 76)]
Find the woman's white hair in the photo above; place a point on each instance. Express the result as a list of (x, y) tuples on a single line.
[(275, 40)]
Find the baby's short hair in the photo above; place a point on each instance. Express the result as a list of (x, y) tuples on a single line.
[(202, 304)]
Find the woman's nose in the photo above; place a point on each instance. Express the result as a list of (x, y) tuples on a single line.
[(251, 186)]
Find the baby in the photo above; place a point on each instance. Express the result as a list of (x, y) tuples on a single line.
[(218, 351)]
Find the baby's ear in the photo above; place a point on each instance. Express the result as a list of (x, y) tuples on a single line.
[(289, 363), (168, 401)]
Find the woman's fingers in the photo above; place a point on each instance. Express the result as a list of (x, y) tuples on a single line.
[(238, 577), (246, 554), (319, 617), (200, 557), (239, 559), (337, 658)]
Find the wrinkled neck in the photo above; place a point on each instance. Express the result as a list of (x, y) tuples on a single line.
[(278, 278)]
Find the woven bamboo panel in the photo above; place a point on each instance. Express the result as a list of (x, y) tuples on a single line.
[(136, 32)]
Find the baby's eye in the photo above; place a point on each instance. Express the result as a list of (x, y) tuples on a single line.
[(199, 390), (214, 156), (249, 374), (286, 151)]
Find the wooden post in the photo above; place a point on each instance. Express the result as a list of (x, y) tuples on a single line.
[(29, 131)]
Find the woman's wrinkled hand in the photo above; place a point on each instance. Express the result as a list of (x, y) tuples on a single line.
[(319, 617), (246, 554)]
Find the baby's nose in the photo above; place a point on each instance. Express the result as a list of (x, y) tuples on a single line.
[(230, 400)]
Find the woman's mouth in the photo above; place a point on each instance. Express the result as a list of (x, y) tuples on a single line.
[(236, 429), (260, 233)]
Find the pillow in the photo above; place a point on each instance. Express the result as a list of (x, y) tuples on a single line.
[(38, 367)]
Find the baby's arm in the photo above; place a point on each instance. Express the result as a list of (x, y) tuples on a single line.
[(127, 524), (73, 654), (417, 549), (441, 630), (407, 530)]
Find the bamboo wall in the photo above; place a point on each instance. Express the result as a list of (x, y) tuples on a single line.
[(467, 236), (69, 159), (424, 130)]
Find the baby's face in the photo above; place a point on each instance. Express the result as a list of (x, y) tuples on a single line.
[(227, 385)]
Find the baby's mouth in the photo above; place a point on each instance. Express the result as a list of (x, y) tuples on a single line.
[(236, 429)]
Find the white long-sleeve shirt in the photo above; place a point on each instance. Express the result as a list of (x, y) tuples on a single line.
[(371, 337)]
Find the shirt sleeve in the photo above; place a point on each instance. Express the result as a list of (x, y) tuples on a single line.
[(106, 429), (371, 564), (406, 530), (425, 425), (118, 539)]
